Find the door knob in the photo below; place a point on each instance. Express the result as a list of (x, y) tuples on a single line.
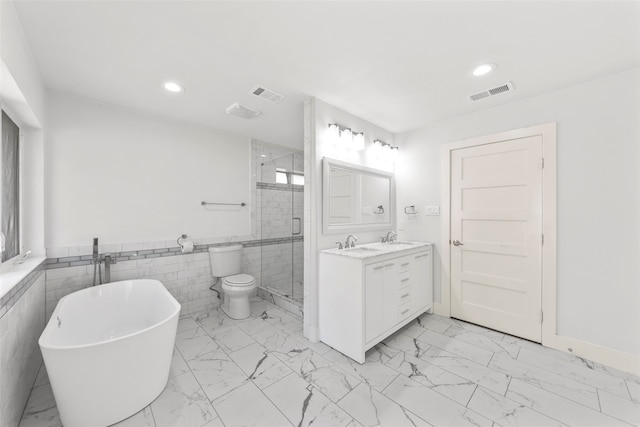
[(457, 243)]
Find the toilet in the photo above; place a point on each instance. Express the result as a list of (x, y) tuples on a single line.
[(226, 263)]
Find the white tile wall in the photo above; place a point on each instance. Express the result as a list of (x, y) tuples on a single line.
[(20, 356), (186, 276)]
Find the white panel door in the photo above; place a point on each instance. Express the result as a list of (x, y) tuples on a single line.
[(496, 236)]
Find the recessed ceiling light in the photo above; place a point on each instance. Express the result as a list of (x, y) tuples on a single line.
[(173, 87), (483, 69)]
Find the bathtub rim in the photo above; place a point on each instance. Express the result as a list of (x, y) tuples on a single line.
[(176, 312)]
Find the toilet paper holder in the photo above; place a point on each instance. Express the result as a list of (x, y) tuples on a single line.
[(181, 239)]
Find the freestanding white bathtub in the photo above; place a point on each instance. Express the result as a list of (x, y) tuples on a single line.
[(108, 350)]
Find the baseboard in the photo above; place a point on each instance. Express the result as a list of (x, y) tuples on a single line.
[(607, 356)]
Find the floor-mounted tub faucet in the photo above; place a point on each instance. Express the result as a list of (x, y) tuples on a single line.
[(108, 262)]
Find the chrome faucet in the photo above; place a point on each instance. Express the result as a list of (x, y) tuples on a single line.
[(391, 236), (339, 245), (353, 240)]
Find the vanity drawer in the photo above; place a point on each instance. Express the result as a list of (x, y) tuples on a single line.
[(404, 280), (404, 296), (404, 264), (404, 310)]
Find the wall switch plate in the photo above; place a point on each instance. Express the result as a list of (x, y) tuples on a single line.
[(400, 225), (432, 210)]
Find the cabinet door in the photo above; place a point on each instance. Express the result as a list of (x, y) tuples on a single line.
[(421, 283), (374, 300), (381, 303)]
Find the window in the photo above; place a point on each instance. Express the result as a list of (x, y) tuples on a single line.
[(284, 177), (9, 182)]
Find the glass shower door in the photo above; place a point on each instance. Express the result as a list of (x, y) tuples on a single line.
[(280, 197)]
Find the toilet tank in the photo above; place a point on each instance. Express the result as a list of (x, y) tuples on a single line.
[(225, 260)]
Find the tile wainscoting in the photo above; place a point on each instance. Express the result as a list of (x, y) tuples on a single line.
[(22, 320), (187, 276)]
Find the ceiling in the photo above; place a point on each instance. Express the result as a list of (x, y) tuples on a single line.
[(399, 64)]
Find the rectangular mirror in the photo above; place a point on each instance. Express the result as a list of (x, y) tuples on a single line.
[(356, 197)]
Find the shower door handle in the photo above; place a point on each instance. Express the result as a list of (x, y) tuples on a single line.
[(299, 226)]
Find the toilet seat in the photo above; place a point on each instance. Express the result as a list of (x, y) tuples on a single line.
[(239, 280)]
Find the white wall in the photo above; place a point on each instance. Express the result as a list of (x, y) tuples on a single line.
[(318, 115), (598, 206), (123, 176), (16, 56), (22, 97)]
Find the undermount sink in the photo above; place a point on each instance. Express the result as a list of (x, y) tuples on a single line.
[(362, 249)]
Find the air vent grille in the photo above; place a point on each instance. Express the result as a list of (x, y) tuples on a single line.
[(243, 111), (507, 87), (267, 94)]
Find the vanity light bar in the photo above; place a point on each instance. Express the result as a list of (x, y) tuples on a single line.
[(347, 137), (380, 143)]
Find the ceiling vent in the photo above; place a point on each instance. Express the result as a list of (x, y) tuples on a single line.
[(507, 87), (267, 94), (242, 111)]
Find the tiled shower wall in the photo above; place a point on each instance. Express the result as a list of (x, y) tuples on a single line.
[(187, 276)]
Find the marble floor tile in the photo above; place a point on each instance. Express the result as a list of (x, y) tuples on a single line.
[(563, 386), (280, 318), (430, 322), (217, 375), (439, 380), (304, 405), (483, 341), (407, 344), (557, 407), (254, 325), (457, 347), (634, 390), (41, 410), (261, 371), (372, 372), (279, 342), (260, 366), (230, 338), (195, 344), (506, 412), (182, 403), (186, 323), (576, 372), (331, 380), (371, 408), (620, 408), (479, 374), (143, 418), (431, 406), (233, 408), (178, 364)]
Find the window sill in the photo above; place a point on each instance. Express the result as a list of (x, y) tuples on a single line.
[(11, 274)]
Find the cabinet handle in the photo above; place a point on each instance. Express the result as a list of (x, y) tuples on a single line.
[(404, 296), (389, 265), (405, 264), (405, 280), (404, 312), (422, 256), (378, 268)]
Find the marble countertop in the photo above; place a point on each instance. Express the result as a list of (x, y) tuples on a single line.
[(370, 250)]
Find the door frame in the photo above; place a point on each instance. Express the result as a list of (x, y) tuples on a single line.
[(548, 133)]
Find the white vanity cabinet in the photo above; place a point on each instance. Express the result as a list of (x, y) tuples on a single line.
[(367, 294)]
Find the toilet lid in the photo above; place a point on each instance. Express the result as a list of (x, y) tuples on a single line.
[(240, 280)]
